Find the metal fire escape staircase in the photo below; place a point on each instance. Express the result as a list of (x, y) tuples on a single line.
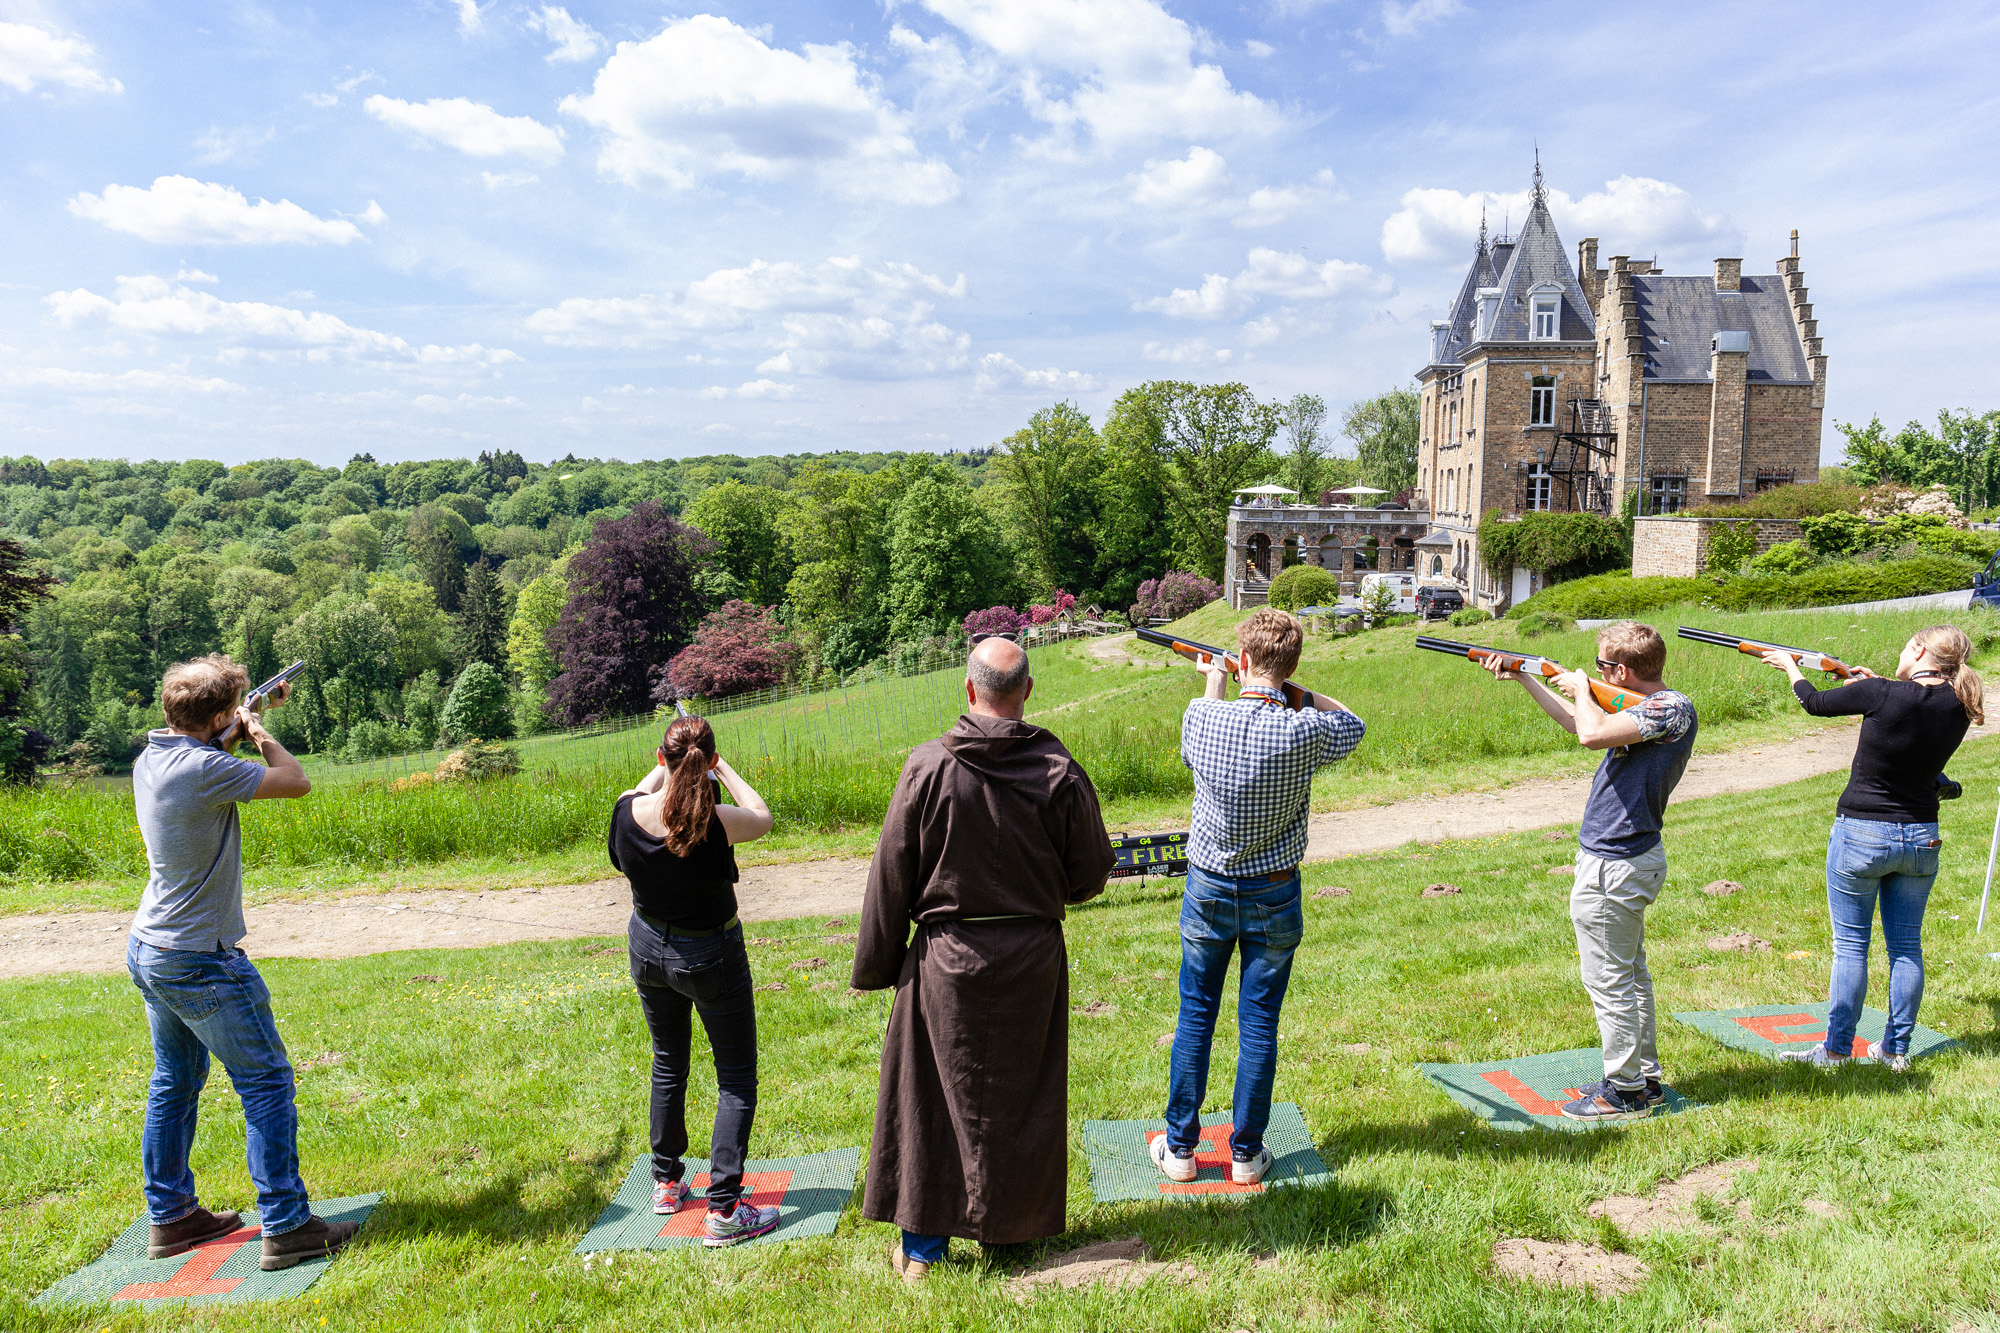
[(1591, 439)]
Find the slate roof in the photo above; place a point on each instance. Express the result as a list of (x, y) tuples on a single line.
[(1537, 258), (1679, 317), (1466, 308)]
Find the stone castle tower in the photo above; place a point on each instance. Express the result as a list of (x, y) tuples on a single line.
[(1558, 388)]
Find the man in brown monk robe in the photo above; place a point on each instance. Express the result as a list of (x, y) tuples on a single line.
[(993, 832)]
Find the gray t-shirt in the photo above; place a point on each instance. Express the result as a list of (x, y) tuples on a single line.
[(186, 793), (1628, 798)]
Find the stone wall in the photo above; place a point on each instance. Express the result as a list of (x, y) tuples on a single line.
[(1678, 547)]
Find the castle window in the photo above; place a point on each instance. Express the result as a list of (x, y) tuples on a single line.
[(1545, 321), (1669, 492), (1542, 401), (1539, 485), (1767, 478)]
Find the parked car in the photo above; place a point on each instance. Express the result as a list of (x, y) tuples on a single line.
[(1435, 602), (1986, 585)]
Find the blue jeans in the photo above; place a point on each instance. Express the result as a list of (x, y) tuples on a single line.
[(198, 1003), (1869, 861), (924, 1249), (1222, 917)]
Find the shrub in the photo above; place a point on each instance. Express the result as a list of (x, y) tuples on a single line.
[(1805, 500), (1784, 558), (369, 739), (1838, 534), (1176, 593), (1537, 623), (740, 647), (1061, 605), (1729, 545), (1304, 585), (995, 620), (1469, 615), (1619, 596), (479, 761), (1377, 603), (1556, 545), (478, 708)]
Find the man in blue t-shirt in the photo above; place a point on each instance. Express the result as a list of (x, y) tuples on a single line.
[(203, 995), (1621, 862), (1253, 763)]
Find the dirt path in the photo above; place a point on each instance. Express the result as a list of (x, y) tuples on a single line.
[(32, 945)]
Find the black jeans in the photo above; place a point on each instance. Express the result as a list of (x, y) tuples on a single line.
[(709, 976)]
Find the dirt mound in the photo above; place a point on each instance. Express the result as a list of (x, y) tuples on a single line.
[(1739, 941), (1569, 1264), (1440, 890), (1111, 1263), (1560, 870), (1332, 892), (1097, 1009), (1721, 888), (1672, 1205)]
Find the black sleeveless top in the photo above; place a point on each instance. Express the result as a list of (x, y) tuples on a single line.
[(692, 892)]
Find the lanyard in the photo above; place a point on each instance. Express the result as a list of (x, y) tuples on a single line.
[(1261, 694)]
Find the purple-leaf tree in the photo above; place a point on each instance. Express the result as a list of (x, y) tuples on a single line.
[(995, 620), (741, 647), (632, 605), (1062, 605), (1174, 594)]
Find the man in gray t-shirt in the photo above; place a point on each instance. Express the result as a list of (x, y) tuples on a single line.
[(203, 995)]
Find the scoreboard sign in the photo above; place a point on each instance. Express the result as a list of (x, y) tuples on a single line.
[(1150, 854)]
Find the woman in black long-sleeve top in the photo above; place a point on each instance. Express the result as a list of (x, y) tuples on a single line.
[(1884, 846)]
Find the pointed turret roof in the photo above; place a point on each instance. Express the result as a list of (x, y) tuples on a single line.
[(1537, 260), (1466, 307)]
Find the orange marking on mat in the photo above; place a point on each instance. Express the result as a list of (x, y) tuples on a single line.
[(766, 1189), (196, 1275), (1770, 1028), (1211, 1157), (1526, 1097)]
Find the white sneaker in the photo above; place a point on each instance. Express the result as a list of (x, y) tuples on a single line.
[(1895, 1064), (1253, 1171), (1172, 1165)]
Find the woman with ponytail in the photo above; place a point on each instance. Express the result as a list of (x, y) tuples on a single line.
[(1885, 840), (672, 840)]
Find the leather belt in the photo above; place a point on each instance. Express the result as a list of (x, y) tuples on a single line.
[(682, 933)]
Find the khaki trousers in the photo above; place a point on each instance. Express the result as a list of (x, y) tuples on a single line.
[(1607, 905)]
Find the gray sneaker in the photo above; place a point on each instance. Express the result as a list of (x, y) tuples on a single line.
[(745, 1222), (1819, 1057), (1895, 1064), (1251, 1172)]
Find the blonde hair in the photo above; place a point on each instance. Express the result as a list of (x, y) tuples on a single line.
[(192, 693), (1639, 648), (1274, 638), (1948, 647)]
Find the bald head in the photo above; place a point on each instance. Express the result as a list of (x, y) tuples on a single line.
[(996, 678)]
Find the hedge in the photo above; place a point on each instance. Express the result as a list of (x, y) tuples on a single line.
[(1304, 585), (1618, 595)]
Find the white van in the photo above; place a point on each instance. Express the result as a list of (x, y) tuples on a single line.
[(1404, 586)]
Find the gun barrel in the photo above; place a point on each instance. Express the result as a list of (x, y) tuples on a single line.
[(1812, 657), (1446, 646)]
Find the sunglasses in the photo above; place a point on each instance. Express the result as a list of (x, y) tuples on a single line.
[(978, 639), (1603, 665)]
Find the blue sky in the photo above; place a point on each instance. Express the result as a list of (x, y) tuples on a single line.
[(240, 230)]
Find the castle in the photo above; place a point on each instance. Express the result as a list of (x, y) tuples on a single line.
[(1559, 388)]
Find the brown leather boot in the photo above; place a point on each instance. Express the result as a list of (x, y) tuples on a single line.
[(310, 1241), (198, 1226)]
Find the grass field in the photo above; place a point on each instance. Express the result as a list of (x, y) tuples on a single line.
[(500, 1106), (828, 764)]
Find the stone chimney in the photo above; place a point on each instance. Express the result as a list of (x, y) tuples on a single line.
[(1802, 319), (1729, 275), (1587, 271), (1728, 410)]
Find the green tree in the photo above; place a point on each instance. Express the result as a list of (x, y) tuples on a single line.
[(535, 613), (1213, 440), (435, 550), (359, 544), (420, 630), (478, 708), (743, 521), (945, 558), (1384, 431), (349, 648), (1050, 471), (1304, 421), (1132, 519), (480, 632), (835, 528)]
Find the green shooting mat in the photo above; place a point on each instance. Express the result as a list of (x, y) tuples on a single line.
[(209, 1274), (1528, 1092), (1768, 1029), (809, 1193), (1122, 1171)]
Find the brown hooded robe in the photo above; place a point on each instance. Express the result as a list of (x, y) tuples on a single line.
[(972, 1117)]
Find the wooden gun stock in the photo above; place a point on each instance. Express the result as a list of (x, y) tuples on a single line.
[(1810, 658), (1609, 697), (1296, 695)]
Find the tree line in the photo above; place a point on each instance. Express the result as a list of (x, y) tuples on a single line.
[(542, 594)]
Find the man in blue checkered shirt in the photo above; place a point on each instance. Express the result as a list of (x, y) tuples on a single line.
[(1253, 763)]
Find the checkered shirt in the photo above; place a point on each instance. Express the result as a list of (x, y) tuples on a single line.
[(1253, 764)]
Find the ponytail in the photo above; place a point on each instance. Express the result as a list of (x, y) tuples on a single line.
[(1948, 647), (688, 750)]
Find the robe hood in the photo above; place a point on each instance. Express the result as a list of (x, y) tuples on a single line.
[(997, 747)]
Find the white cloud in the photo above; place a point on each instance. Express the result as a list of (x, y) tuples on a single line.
[(252, 330), (1180, 183), (1635, 214), (1188, 352), (1261, 50), (997, 370), (220, 145), (179, 210), (706, 97), (839, 317), (32, 56), (1404, 20), (1122, 69), (322, 100), (507, 179), (574, 40), (473, 128), (749, 389), (470, 20), (195, 275), (1268, 275), (98, 381), (1274, 203)]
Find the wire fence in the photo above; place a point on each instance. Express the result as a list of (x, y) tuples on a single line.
[(829, 704)]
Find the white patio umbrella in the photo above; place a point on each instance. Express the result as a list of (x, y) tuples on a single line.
[(1267, 490), (1357, 490)]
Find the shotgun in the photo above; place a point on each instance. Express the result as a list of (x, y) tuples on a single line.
[(256, 701), (1810, 658), (1609, 697), (1296, 695)]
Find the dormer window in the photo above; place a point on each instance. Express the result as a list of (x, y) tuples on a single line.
[(1546, 320)]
